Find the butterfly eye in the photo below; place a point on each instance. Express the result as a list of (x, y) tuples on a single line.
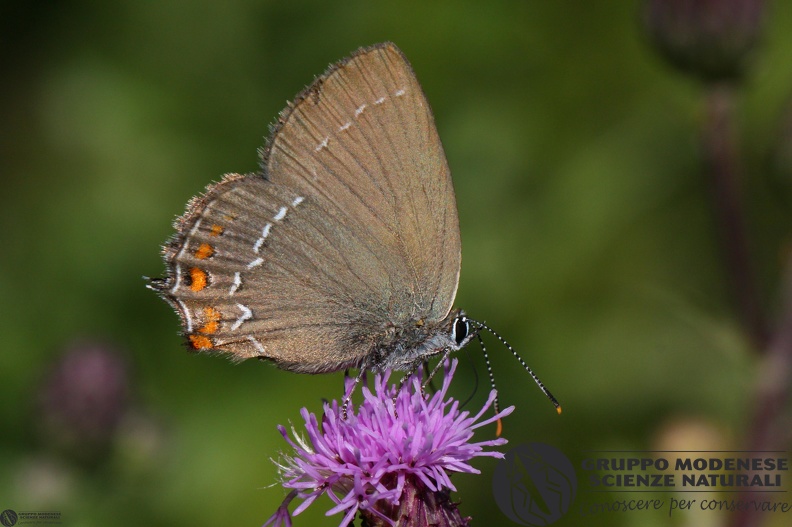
[(460, 330)]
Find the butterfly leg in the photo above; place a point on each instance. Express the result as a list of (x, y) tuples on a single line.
[(439, 365), (409, 373), (429, 382)]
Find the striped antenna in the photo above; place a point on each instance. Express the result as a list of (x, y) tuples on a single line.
[(539, 383)]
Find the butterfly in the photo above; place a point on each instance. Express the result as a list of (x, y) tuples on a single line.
[(344, 250)]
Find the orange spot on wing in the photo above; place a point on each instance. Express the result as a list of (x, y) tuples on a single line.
[(212, 320), (198, 279), (200, 342), (204, 251), (217, 230), (212, 314)]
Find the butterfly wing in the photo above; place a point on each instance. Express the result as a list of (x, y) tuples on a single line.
[(350, 233)]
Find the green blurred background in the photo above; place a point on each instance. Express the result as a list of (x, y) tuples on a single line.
[(588, 236)]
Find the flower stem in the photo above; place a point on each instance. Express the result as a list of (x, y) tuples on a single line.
[(770, 427), (723, 167)]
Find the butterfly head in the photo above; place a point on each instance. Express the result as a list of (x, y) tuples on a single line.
[(461, 332)]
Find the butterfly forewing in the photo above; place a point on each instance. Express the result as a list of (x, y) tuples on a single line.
[(362, 140), (351, 231)]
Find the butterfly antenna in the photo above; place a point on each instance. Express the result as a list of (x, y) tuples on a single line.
[(522, 362), (499, 427)]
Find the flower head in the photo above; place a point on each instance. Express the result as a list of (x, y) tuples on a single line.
[(712, 39), (83, 399), (392, 455)]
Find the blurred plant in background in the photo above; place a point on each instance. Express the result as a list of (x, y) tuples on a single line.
[(714, 41), (781, 167), (86, 423), (82, 401)]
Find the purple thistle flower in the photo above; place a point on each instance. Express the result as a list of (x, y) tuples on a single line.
[(83, 399), (390, 463)]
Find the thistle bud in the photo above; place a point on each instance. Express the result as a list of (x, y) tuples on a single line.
[(711, 39)]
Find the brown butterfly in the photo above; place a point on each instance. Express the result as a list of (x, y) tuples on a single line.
[(344, 251)]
